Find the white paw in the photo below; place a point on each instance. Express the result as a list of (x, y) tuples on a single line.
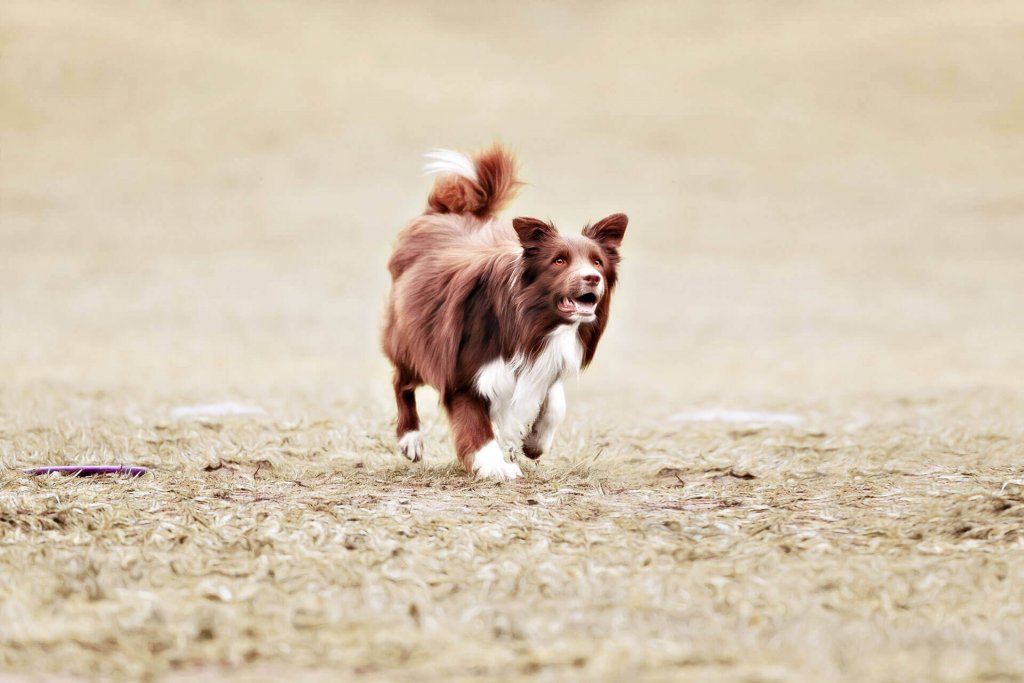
[(489, 463), (411, 445)]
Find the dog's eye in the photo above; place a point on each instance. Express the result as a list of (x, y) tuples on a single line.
[(597, 262), (559, 261)]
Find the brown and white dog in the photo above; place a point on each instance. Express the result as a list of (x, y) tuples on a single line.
[(494, 315)]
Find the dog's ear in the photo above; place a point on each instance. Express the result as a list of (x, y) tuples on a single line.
[(608, 231), (532, 231)]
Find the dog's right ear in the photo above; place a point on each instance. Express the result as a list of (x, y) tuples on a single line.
[(532, 231)]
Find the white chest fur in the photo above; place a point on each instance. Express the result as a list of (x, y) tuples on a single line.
[(517, 389)]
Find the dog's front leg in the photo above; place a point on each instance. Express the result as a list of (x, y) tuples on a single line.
[(510, 421), (552, 412), (475, 444), (510, 428)]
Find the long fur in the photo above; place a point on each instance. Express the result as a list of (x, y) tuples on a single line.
[(469, 289), (481, 186)]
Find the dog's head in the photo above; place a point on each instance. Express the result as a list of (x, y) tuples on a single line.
[(570, 275)]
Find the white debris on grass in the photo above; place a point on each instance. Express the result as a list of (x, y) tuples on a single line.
[(216, 410), (738, 416)]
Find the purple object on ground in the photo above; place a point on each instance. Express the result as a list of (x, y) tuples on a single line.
[(89, 470)]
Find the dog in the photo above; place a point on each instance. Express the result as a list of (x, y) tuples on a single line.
[(493, 315)]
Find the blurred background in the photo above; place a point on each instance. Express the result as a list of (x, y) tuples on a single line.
[(826, 198)]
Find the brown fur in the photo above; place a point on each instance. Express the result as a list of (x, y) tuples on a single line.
[(496, 186), (467, 289)]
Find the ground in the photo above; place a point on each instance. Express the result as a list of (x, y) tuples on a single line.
[(799, 455)]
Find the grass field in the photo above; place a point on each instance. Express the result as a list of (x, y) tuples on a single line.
[(799, 455)]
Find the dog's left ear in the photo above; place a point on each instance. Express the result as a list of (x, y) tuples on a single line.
[(608, 231)]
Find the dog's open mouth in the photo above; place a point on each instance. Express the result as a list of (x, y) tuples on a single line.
[(584, 304)]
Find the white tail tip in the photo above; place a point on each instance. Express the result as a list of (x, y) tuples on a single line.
[(450, 161)]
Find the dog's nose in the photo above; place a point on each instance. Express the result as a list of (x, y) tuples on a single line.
[(592, 279)]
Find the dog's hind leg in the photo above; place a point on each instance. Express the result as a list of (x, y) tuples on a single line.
[(478, 451), (410, 439)]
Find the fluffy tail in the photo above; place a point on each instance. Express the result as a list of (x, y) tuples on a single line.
[(481, 186)]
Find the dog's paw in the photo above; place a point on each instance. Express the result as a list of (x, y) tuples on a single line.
[(532, 449), (489, 463), (411, 445)]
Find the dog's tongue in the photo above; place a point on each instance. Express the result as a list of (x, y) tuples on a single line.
[(567, 305), (585, 307)]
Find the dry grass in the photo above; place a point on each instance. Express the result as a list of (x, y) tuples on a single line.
[(826, 209), (639, 550)]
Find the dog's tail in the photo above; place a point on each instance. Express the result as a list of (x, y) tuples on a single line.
[(481, 185)]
